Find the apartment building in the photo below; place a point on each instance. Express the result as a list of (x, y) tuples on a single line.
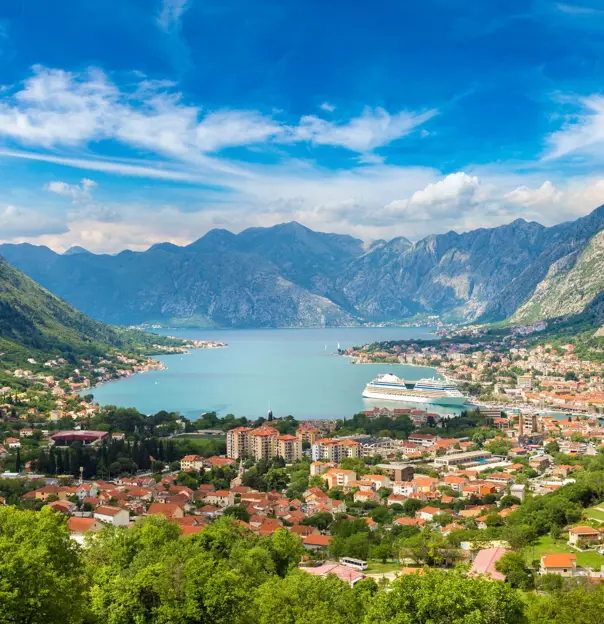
[(191, 462), (337, 477), (238, 442), (335, 450), (289, 447), (262, 442), (308, 433)]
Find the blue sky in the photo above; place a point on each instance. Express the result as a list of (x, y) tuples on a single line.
[(125, 123)]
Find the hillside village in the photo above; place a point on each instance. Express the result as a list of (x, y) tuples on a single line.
[(463, 495)]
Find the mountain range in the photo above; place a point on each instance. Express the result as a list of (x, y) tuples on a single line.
[(290, 276)]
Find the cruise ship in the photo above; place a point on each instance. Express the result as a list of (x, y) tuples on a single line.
[(431, 391)]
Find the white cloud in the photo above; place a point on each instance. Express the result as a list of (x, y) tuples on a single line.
[(326, 106), (231, 128), (17, 222), (56, 108), (582, 133), (454, 193), (119, 167), (545, 195), (62, 117), (374, 128), (578, 9), (75, 191), (368, 202), (170, 15)]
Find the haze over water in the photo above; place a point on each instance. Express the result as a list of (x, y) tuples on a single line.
[(292, 369)]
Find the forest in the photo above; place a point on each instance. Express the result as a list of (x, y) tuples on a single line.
[(225, 575)]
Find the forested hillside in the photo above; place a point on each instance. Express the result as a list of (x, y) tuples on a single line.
[(36, 324)]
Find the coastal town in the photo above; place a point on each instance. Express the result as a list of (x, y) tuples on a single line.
[(509, 488), (466, 494), (506, 374)]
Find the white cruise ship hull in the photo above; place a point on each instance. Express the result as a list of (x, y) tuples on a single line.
[(415, 396)]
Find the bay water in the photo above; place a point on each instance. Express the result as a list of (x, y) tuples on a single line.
[(294, 371)]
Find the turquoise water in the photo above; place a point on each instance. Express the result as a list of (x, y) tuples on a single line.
[(292, 369)]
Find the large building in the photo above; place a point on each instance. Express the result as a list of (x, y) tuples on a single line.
[(524, 382), (335, 450), (308, 433), (456, 459), (65, 438), (262, 443), (289, 447), (337, 477), (398, 471), (191, 462), (238, 442)]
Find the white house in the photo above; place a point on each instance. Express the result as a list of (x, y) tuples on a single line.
[(112, 515)]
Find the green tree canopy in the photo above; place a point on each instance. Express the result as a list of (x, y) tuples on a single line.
[(446, 598), (41, 573)]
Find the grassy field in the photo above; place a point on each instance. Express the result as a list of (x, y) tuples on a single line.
[(595, 514), (546, 545), (377, 567), (199, 436)]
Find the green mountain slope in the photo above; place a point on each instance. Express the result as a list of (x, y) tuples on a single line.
[(35, 323), (571, 283)]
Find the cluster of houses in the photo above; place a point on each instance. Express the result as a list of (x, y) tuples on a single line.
[(93, 504), (90, 505)]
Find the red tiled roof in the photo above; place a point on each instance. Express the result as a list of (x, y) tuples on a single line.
[(558, 560), (106, 510), (190, 530), (583, 530), (317, 540), (81, 525)]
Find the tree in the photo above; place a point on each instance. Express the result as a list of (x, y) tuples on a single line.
[(301, 598), (381, 514), (380, 551), (549, 582), (321, 520), (509, 501), (286, 550), (147, 573), (442, 518), (411, 505), (519, 536), (41, 574), (445, 597), (18, 461), (276, 479), (552, 447), (512, 565), (582, 605), (239, 512)]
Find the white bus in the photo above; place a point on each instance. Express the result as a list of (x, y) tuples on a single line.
[(357, 564)]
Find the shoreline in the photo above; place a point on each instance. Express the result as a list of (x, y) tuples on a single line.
[(157, 365)]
